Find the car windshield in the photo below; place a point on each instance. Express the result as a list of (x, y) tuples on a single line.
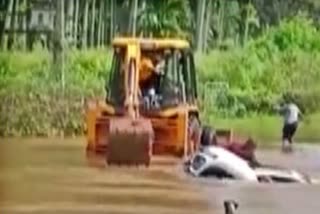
[(217, 172)]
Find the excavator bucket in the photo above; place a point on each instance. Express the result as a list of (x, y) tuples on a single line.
[(130, 141)]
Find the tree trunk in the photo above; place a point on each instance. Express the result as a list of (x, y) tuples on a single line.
[(133, 18), (200, 24), (207, 24), (221, 22), (93, 16), (76, 22), (7, 26), (100, 22), (58, 47), (112, 19), (16, 14), (246, 26), (85, 25), (102, 41), (141, 8), (69, 22), (15, 22), (106, 25), (103, 29), (24, 26)]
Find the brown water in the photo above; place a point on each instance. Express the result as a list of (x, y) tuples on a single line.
[(271, 199), (54, 176)]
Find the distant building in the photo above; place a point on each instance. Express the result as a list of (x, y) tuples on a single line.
[(42, 14), (41, 20), (37, 22)]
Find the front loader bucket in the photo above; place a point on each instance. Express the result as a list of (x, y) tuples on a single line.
[(130, 141)]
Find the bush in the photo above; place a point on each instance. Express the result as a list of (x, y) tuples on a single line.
[(236, 83), (285, 59), (32, 99)]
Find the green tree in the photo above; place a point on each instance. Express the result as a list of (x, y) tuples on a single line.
[(165, 18)]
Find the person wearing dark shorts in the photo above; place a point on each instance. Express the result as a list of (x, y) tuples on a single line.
[(291, 114), (288, 131)]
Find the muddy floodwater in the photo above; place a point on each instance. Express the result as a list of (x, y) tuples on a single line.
[(55, 176)]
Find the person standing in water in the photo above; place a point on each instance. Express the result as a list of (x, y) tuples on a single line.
[(291, 115)]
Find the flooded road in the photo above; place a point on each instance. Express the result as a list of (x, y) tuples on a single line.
[(54, 176)]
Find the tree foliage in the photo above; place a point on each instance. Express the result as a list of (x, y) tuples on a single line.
[(249, 53), (285, 59), (206, 24)]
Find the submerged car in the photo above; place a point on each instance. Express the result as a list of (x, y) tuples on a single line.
[(218, 162), (270, 174)]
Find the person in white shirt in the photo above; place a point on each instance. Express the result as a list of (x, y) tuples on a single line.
[(291, 116)]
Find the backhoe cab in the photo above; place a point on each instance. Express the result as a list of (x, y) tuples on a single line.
[(151, 103)]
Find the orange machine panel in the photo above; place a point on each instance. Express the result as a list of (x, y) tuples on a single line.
[(169, 135)]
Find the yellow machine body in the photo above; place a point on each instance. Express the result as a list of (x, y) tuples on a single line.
[(123, 126)]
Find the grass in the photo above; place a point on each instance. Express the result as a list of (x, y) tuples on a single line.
[(267, 129), (232, 84)]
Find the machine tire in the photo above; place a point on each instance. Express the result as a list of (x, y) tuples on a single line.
[(194, 130), (207, 136)]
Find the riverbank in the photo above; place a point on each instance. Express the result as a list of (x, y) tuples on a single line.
[(267, 129)]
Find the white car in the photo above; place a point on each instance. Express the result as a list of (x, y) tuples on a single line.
[(221, 163), (277, 175)]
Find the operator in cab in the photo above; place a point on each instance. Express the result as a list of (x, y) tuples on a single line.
[(150, 74), (149, 81)]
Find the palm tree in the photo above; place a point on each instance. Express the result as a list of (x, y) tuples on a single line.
[(76, 21), (93, 22), (58, 52), (165, 18), (85, 24), (69, 22), (133, 17), (8, 23), (200, 25)]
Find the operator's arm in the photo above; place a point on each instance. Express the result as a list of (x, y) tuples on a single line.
[(281, 109), (159, 69)]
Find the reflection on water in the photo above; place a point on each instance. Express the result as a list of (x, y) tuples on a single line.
[(54, 176)]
